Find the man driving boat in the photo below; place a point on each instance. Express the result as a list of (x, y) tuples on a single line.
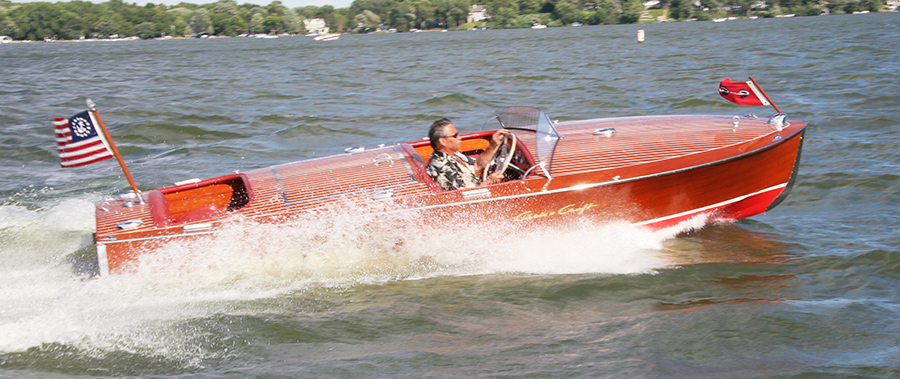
[(454, 170)]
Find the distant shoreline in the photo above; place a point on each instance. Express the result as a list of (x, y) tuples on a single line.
[(135, 38), (8, 40)]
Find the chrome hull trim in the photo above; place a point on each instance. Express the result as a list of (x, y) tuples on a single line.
[(710, 207), (157, 238), (102, 260)]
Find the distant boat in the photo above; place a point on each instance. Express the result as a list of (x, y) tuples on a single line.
[(723, 19), (538, 26), (327, 37)]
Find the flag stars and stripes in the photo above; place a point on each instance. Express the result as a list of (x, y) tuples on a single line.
[(78, 142)]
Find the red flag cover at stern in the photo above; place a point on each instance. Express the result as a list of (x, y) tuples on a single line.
[(743, 93), (78, 141)]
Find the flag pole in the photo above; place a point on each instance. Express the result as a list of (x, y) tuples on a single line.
[(112, 146), (765, 94)]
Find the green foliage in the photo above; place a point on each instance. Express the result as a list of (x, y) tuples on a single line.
[(180, 27), (292, 23), (273, 24), (568, 11), (226, 24), (631, 12), (807, 10), (681, 9), (37, 21), (850, 6), (596, 16), (257, 23), (200, 21), (8, 27), (146, 30)]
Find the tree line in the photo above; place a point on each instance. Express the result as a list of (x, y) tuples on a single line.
[(83, 19)]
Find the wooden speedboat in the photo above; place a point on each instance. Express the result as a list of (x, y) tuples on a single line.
[(654, 171)]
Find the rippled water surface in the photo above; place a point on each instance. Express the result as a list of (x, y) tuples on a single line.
[(806, 290)]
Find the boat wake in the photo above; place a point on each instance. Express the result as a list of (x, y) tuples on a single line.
[(349, 246), (144, 311)]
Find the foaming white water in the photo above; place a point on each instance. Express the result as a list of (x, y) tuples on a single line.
[(43, 301), (617, 248), (29, 237), (346, 248), (144, 310)]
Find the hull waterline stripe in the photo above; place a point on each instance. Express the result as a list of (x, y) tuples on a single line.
[(693, 211), (104, 262), (708, 207)]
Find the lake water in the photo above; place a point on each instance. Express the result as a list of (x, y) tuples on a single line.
[(808, 290)]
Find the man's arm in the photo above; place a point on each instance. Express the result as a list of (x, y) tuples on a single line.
[(485, 158)]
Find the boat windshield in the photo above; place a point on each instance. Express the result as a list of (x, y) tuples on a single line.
[(529, 118)]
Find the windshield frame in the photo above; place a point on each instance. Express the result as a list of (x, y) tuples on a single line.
[(535, 120)]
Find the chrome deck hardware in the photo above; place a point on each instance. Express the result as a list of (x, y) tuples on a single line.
[(130, 224), (608, 132), (380, 195)]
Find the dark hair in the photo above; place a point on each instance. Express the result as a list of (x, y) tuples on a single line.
[(434, 132)]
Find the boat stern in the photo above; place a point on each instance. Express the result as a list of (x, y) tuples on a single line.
[(127, 226)]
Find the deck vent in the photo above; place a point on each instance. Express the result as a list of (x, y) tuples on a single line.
[(189, 181), (130, 224), (380, 195), (126, 195), (608, 132), (354, 149), (777, 120), (197, 227), (476, 193)]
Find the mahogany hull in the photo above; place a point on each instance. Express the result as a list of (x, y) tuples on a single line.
[(654, 172)]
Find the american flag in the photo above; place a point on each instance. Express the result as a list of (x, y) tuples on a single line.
[(78, 141)]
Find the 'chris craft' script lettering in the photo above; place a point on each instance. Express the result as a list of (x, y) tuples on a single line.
[(571, 208)]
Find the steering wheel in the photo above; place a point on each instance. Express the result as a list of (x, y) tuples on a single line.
[(502, 158)]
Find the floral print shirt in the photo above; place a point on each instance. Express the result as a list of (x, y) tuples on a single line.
[(452, 171)]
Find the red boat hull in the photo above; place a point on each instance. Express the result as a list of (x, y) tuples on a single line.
[(654, 172)]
